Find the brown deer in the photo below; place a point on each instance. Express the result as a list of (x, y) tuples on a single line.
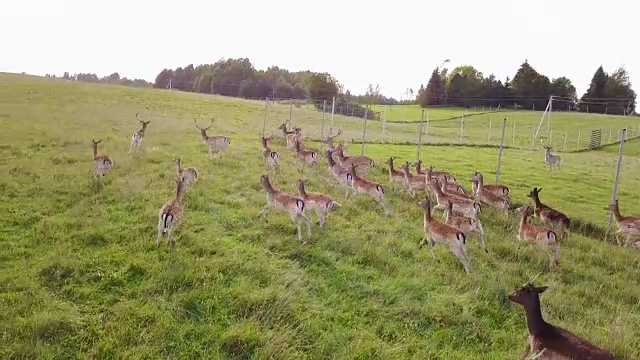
[(489, 198), (292, 205), (497, 189), (170, 214), (547, 341), (547, 215), (214, 143), (136, 138), (291, 136), (102, 163), (339, 173), (462, 205), (368, 187), (544, 238), (395, 176), (330, 146), (466, 224), (412, 182), (187, 175), (627, 225), (443, 176), (271, 158), (321, 204), (361, 161), (308, 156)]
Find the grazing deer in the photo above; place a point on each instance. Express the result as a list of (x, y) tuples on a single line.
[(292, 205), (466, 224), (102, 163), (412, 182), (627, 225), (361, 161), (438, 232), (339, 173), (547, 341), (216, 143), (291, 136), (547, 215), (489, 198), (552, 161), (187, 175), (544, 238), (170, 214), (443, 176), (497, 189), (271, 158), (368, 187), (308, 156), (136, 138), (395, 176), (460, 204), (320, 203)]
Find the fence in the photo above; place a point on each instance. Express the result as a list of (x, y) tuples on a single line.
[(568, 132)]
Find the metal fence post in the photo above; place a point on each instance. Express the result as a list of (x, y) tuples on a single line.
[(420, 134), (364, 128), (615, 183), (504, 127)]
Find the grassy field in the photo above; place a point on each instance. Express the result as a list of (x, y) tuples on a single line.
[(412, 113), (81, 276)]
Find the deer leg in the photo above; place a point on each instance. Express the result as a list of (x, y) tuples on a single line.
[(462, 256), (296, 221), (480, 232), (307, 221), (210, 151), (263, 213), (160, 230)]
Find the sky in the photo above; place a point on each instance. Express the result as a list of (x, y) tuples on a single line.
[(394, 44)]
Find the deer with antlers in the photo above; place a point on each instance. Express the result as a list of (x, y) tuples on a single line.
[(308, 156), (544, 238), (171, 213), (548, 215), (330, 146), (291, 136), (136, 138), (214, 143), (282, 201), (320, 203), (187, 175), (361, 161), (550, 160), (102, 163), (271, 158)]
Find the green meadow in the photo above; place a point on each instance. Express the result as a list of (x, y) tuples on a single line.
[(81, 277)]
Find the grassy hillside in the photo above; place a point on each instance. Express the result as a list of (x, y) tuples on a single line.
[(81, 276)]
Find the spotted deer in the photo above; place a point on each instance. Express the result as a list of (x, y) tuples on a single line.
[(548, 215), (627, 225), (395, 176), (485, 196), (136, 138), (438, 232), (443, 176), (550, 160), (339, 173), (282, 201), (452, 188), (543, 238), (464, 206), (362, 162), (187, 175), (214, 143), (368, 187), (170, 214), (271, 158), (466, 224), (497, 189), (412, 182), (308, 156), (321, 204), (102, 163), (291, 136)]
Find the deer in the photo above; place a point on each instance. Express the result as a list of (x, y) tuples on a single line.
[(339, 173), (412, 182), (497, 189), (395, 177), (627, 225), (282, 201), (136, 138), (361, 161), (187, 175), (102, 163), (321, 204), (368, 187), (291, 136), (465, 206), (438, 232), (548, 215), (443, 176), (489, 198), (466, 224), (170, 214), (271, 158), (547, 341), (330, 146), (550, 160), (308, 156), (216, 143), (544, 238), (447, 187)]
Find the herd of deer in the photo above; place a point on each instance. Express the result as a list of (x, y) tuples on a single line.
[(461, 210)]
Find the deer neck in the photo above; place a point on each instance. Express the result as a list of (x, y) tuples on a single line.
[(616, 212), (536, 201), (302, 191), (427, 214), (264, 144), (179, 191), (535, 322), (95, 151), (267, 186), (204, 135)]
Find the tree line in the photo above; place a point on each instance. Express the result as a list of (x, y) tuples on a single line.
[(528, 89), (111, 79)]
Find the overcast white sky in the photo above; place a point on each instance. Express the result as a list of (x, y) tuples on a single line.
[(395, 44)]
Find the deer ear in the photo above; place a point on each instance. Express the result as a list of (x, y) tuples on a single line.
[(540, 289)]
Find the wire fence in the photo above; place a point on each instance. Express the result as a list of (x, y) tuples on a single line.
[(567, 131)]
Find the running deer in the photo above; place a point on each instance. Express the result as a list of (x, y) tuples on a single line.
[(187, 175), (550, 160), (214, 143), (452, 188), (395, 177), (291, 136), (544, 238), (368, 187), (547, 341), (489, 198), (497, 189), (466, 224), (136, 138), (548, 215), (464, 206), (438, 232), (282, 201), (360, 161), (627, 225), (102, 163), (170, 214), (412, 182), (321, 204), (443, 176), (271, 158), (339, 173), (308, 156)]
